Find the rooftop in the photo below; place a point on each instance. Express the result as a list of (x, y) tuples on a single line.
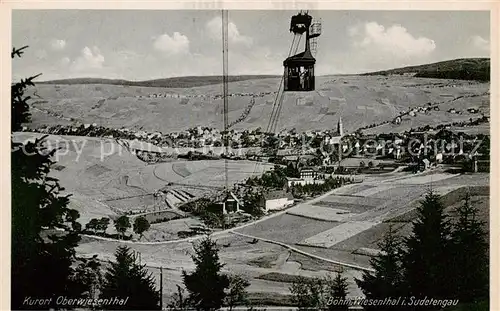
[(277, 194)]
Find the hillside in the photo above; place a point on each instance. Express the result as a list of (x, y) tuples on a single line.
[(360, 100), (176, 82), (461, 69)]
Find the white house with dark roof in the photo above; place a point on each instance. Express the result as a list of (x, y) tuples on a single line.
[(277, 200), (308, 173)]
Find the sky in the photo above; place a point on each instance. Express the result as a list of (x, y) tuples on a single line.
[(144, 44)]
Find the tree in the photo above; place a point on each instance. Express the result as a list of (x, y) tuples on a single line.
[(236, 293), (428, 256), (41, 256), (141, 225), (92, 225), (292, 171), (89, 276), (126, 279), (206, 285), (470, 243), (337, 289), (103, 224), (253, 202), (19, 102), (387, 280), (307, 293), (212, 216), (320, 293), (122, 224), (179, 301)]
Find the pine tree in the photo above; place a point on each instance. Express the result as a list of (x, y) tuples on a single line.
[(387, 280), (206, 284), (89, 276), (178, 302), (428, 256), (471, 254), (126, 279), (236, 292), (337, 288), (19, 101), (41, 260)]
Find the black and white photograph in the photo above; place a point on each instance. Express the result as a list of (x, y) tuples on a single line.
[(230, 159)]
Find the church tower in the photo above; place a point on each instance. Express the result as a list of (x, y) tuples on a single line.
[(340, 133), (340, 127)]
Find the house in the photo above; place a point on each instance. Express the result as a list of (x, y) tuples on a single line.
[(308, 173), (439, 157), (292, 181), (291, 158), (285, 152), (229, 204), (335, 138), (425, 164), (326, 160), (277, 200), (481, 165)]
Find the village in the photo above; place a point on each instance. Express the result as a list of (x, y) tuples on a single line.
[(301, 165)]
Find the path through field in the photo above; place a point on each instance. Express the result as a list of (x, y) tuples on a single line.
[(290, 244)]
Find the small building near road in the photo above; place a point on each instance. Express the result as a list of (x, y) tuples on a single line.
[(277, 200), (291, 181), (439, 157), (425, 164), (228, 204)]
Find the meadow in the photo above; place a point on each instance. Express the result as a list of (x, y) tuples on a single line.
[(360, 100), (106, 179)]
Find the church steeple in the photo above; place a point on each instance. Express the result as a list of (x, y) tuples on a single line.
[(340, 127)]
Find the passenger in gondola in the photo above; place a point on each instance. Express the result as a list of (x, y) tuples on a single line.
[(303, 76)]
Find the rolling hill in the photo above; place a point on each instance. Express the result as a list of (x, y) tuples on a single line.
[(462, 69), (176, 82), (360, 100)]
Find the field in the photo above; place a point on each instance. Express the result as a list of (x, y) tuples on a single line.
[(347, 223), (361, 100), (106, 179), (271, 267), (271, 276)]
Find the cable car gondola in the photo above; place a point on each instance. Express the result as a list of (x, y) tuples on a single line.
[(299, 68)]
